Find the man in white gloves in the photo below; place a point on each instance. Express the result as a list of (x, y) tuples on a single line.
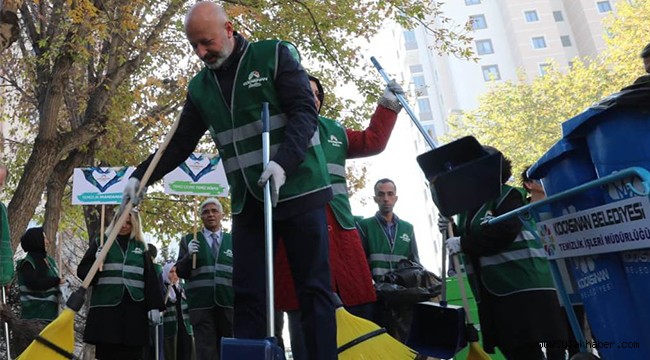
[(208, 285), (226, 98)]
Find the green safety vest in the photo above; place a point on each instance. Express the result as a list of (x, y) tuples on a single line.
[(521, 266), (383, 258), (170, 317), (39, 304), (236, 128), (334, 141), (210, 283), (120, 271)]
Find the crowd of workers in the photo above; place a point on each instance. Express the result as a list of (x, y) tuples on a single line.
[(214, 288)]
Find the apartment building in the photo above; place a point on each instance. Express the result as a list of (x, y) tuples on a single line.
[(509, 37)]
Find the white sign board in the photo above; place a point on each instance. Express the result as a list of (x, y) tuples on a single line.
[(618, 226), (199, 174), (99, 185)]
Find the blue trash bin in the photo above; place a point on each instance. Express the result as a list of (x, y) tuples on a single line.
[(616, 131), (600, 278)]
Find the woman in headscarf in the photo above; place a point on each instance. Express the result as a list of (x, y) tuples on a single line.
[(38, 278), (123, 293), (179, 343)]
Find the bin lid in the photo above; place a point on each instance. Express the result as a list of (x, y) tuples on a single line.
[(541, 167), (638, 98)]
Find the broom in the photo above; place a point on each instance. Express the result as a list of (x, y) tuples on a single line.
[(56, 341), (476, 352), (360, 339)]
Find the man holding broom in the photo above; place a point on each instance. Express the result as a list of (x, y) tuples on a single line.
[(226, 98), (209, 284)]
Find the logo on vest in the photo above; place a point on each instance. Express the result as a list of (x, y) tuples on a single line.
[(254, 80), (405, 238), (334, 141), (138, 251), (228, 253)]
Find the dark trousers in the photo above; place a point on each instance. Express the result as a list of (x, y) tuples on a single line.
[(210, 325), (305, 238)]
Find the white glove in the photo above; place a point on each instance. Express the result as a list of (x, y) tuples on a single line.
[(389, 98), (99, 249), (154, 317), (131, 191), (453, 245), (276, 174), (443, 223), (193, 247)]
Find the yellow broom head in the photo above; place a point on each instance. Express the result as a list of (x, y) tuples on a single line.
[(360, 339), (476, 352), (59, 332)]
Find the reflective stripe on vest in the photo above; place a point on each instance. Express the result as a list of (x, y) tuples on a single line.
[(38, 304), (334, 141), (235, 127), (521, 266), (210, 283), (383, 258), (121, 270)]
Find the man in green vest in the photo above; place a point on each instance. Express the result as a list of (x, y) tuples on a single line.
[(226, 98), (510, 277), (387, 240), (209, 284)]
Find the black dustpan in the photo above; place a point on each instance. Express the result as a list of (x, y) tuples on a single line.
[(462, 175), (438, 329)]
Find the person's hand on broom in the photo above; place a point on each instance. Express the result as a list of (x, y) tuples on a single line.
[(275, 173), (453, 245)]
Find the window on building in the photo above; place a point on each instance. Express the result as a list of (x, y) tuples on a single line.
[(410, 43), (531, 16), (544, 68), (539, 42), (425, 109), (604, 6), (491, 72), (557, 15), (472, 2), (416, 69), (566, 40), (423, 105), (484, 47), (420, 85), (478, 22)]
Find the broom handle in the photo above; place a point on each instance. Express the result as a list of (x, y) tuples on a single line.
[(268, 223), (405, 105), (101, 232), (127, 208), (194, 232), (443, 287), (459, 277)]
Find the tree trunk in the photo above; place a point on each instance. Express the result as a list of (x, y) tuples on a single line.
[(56, 187), (38, 169)]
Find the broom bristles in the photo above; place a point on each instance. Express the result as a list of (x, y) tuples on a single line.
[(476, 352), (378, 347)]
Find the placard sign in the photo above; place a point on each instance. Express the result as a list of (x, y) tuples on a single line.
[(619, 226), (99, 185), (199, 174)]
